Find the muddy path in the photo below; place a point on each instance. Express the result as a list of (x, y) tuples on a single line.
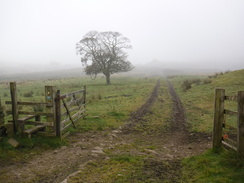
[(182, 142), (173, 144)]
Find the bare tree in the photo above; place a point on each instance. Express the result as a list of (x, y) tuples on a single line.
[(103, 52)]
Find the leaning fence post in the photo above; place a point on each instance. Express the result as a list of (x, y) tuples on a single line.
[(218, 118), (58, 114), (13, 91), (240, 132), (50, 107)]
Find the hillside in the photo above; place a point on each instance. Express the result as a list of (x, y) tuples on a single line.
[(198, 100), (232, 80)]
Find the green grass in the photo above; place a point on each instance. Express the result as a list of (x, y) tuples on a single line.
[(212, 167), (118, 169), (27, 148), (198, 101), (108, 107)]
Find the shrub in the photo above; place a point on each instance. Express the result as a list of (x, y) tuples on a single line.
[(207, 81), (217, 74), (5, 94), (196, 81), (227, 71), (186, 85), (28, 94)]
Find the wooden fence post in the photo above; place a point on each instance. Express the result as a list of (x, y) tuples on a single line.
[(84, 101), (84, 95), (1, 114), (218, 118), (14, 100), (50, 107), (58, 115), (240, 133), (2, 126)]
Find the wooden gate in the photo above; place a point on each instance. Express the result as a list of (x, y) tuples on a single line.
[(220, 113), (69, 108), (57, 113)]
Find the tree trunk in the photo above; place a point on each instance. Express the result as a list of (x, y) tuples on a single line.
[(108, 78)]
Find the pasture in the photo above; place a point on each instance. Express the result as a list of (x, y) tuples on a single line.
[(138, 155), (108, 107)]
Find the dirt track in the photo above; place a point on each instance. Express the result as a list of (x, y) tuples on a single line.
[(56, 165), (186, 143)]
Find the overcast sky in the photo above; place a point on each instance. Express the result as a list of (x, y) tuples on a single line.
[(202, 33)]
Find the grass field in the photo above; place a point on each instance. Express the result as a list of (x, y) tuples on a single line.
[(109, 107)]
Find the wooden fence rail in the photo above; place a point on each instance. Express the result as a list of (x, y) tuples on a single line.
[(219, 121), (50, 119)]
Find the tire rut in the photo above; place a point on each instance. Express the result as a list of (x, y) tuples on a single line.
[(145, 108), (180, 141), (178, 113), (138, 115)]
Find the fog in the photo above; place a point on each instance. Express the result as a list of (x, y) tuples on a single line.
[(38, 35)]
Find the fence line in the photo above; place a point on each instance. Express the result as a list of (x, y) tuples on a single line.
[(219, 121)]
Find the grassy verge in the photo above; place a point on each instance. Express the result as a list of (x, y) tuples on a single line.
[(198, 101)]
